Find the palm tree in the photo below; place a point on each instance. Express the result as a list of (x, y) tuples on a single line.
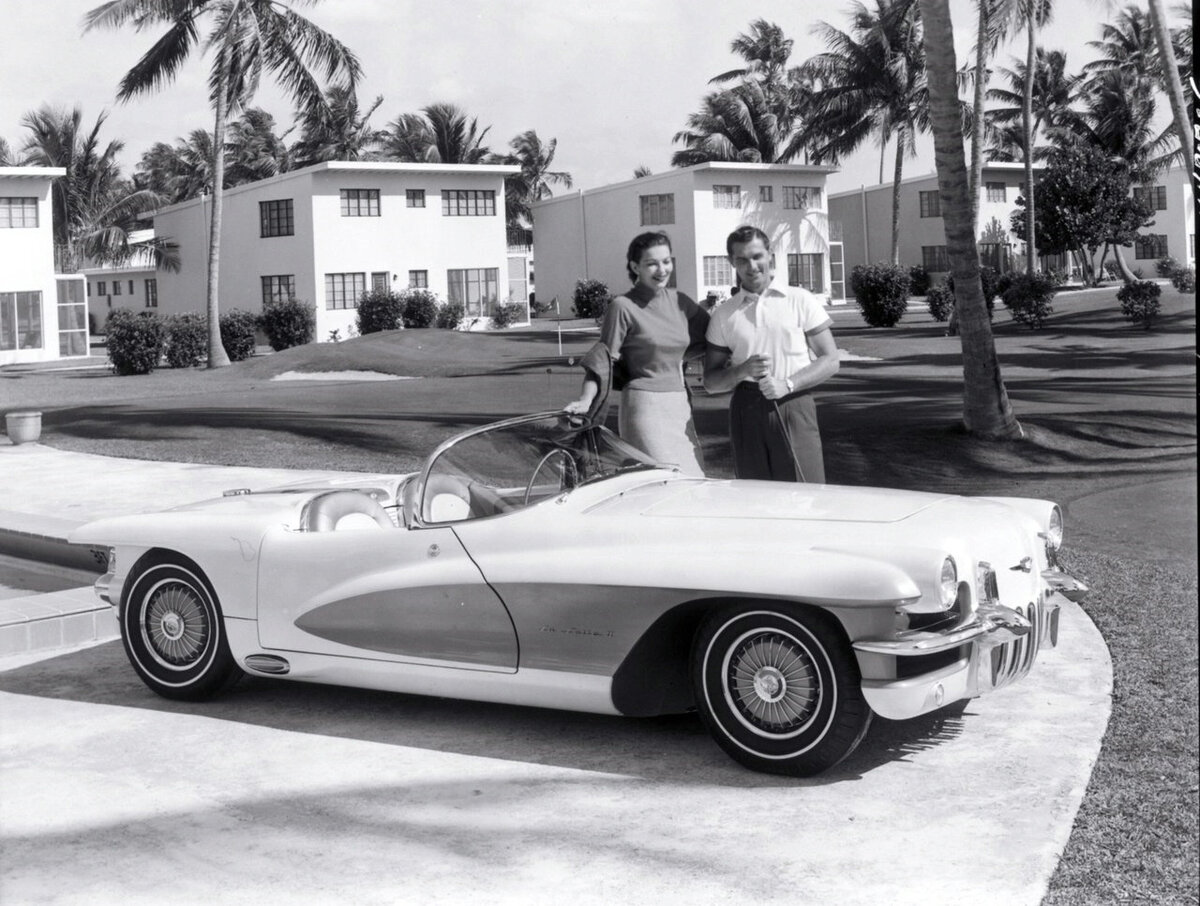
[(1181, 112), (737, 124), (6, 155), (534, 181), (641, 171), (253, 149), (246, 38), (1055, 90), (439, 134), (766, 51), (343, 133), (94, 209), (986, 408), (1034, 14), (872, 82)]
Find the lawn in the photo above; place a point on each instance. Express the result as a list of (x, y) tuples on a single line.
[(1104, 405)]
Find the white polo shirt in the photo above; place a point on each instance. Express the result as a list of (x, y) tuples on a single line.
[(776, 323)]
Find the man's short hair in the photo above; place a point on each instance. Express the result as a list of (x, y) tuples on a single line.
[(744, 234)]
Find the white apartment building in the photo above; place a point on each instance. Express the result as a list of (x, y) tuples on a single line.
[(328, 233), (131, 285), (1173, 232), (585, 235), (42, 316)]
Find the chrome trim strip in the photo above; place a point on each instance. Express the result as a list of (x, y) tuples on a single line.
[(101, 587), (993, 624), (1064, 584)]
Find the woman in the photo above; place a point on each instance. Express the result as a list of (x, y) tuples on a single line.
[(650, 331)]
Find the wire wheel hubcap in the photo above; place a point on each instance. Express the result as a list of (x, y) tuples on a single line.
[(176, 625), (772, 683)]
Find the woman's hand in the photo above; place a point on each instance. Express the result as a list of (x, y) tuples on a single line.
[(578, 407)]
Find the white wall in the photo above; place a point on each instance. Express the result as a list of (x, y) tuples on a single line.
[(27, 258)]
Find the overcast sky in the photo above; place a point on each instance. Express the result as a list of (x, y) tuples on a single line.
[(612, 80)]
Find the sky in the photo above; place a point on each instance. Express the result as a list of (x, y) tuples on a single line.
[(611, 80)]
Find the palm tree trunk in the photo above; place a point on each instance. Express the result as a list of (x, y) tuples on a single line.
[(977, 108), (986, 409), (1170, 67), (1027, 122), (901, 143), (217, 357), (1126, 274)]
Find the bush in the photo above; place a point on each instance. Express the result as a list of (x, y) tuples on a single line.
[(380, 309), (990, 279), (591, 299), (237, 334), (1184, 279), (288, 323), (507, 314), (537, 307), (1166, 266), (187, 339), (881, 291), (450, 315), (135, 341), (941, 301), (919, 278), (420, 308), (1028, 299), (1139, 301)]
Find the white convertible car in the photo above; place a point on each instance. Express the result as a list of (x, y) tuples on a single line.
[(539, 562)]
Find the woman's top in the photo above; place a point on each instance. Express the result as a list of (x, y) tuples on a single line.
[(650, 333)]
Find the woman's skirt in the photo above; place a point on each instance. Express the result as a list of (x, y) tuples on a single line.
[(660, 424)]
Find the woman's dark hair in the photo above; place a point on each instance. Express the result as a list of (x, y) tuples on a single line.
[(641, 242)]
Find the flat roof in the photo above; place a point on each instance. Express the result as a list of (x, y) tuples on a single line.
[(32, 172), (1002, 166)]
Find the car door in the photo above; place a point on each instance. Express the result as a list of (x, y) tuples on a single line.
[(405, 594)]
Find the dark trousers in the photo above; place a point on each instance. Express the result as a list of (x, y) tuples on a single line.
[(760, 444)]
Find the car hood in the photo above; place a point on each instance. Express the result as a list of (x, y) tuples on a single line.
[(769, 500)]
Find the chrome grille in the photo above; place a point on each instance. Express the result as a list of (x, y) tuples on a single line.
[(1014, 659)]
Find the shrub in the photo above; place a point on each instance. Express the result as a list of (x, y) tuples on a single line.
[(450, 315), (288, 323), (1166, 266), (591, 299), (1139, 301), (507, 314), (1028, 299), (989, 279), (941, 301), (1184, 279), (919, 278), (237, 334), (420, 308), (380, 309), (135, 341), (881, 291), (187, 339), (537, 307)]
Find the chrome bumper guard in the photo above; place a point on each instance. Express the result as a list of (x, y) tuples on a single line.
[(992, 623), (101, 586), (1064, 584)]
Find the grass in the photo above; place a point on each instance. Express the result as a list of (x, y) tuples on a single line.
[(1105, 405)]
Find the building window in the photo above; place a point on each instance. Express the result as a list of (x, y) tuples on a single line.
[(727, 197), (360, 202), (807, 271), (72, 318), (934, 258), (1154, 196), (18, 213), (476, 289), (278, 288), (800, 198), (344, 290), (101, 288), (414, 198), (275, 218), (151, 292), (131, 287), (418, 279), (116, 287), (468, 203), (994, 191), (931, 204), (717, 271), (657, 209), (1150, 246), (21, 320), (380, 281), (766, 193)]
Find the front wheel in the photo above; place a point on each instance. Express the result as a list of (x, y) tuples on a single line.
[(173, 631), (778, 688)]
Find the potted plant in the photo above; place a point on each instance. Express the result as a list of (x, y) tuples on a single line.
[(23, 427)]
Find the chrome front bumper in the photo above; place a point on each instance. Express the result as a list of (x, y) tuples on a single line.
[(1001, 645)]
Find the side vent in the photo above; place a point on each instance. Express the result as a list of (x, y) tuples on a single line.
[(267, 663)]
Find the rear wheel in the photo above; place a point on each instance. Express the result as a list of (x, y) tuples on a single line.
[(778, 688), (173, 631)]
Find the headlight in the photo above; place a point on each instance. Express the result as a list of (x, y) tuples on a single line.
[(1054, 531), (948, 582)]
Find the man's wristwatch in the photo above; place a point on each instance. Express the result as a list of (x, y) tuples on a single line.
[(791, 388)]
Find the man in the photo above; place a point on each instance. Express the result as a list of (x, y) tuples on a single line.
[(771, 346)]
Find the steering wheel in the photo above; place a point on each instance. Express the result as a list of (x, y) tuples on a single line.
[(570, 474)]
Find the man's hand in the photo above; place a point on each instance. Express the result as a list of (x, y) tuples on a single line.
[(756, 367), (773, 388)]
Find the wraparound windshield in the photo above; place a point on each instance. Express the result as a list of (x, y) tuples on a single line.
[(518, 463)]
